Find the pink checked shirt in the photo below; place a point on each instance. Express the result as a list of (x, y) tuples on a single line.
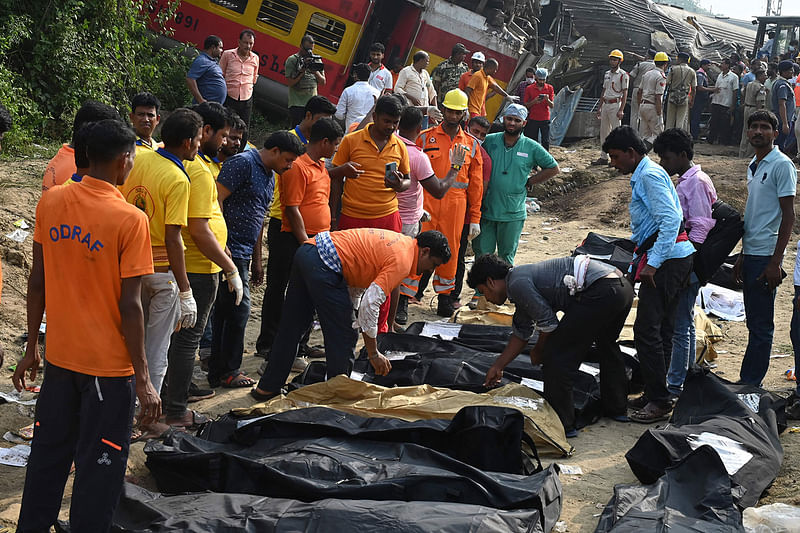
[(240, 75), (697, 194)]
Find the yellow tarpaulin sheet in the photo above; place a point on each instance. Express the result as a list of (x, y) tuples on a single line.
[(422, 402)]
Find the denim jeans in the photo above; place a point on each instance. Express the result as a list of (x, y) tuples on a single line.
[(759, 306), (684, 340), (312, 287), (794, 333), (230, 321), (655, 325), (184, 344)]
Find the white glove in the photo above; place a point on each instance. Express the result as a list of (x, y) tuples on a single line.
[(188, 314), (474, 230), (426, 217), (434, 114), (235, 285)]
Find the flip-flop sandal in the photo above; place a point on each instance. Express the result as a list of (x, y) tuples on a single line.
[(198, 419), (152, 435), (238, 381), (264, 397), (650, 413)]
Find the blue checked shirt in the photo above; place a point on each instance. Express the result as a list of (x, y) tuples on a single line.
[(327, 251)]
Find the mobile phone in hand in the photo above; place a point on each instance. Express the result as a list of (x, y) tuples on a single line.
[(391, 168)]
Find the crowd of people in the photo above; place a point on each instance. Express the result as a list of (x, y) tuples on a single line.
[(668, 94), (363, 203)]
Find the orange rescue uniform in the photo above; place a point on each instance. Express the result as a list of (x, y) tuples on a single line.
[(379, 256), (60, 168), (447, 213)]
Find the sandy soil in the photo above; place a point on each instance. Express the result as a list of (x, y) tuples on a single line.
[(583, 199)]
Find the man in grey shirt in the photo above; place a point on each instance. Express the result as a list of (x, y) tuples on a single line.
[(595, 298)]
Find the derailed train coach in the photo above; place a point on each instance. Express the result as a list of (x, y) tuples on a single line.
[(344, 30)]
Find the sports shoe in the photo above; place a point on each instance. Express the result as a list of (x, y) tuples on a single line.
[(196, 393), (300, 364)]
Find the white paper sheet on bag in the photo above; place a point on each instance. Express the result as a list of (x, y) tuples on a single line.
[(733, 454), (534, 384), (444, 330)]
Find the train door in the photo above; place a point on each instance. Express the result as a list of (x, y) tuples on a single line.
[(393, 23)]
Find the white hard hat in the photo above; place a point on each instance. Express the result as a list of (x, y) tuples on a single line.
[(479, 56)]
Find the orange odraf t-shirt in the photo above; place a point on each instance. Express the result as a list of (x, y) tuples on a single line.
[(60, 168), (375, 255), (479, 83), (307, 186), (366, 196), (91, 239)]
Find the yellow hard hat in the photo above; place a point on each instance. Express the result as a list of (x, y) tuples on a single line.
[(617, 54), (661, 56), (455, 100)]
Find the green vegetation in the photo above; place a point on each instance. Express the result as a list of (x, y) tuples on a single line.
[(56, 55)]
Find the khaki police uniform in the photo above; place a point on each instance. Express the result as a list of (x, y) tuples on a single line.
[(754, 98), (615, 87), (637, 74), (650, 123), (681, 77)]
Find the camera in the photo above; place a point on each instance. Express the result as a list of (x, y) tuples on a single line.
[(314, 63)]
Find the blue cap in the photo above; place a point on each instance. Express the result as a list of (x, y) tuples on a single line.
[(785, 65), (516, 110), (683, 55)]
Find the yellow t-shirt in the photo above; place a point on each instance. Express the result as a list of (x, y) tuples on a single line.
[(142, 147), (275, 210), (203, 204), (159, 186)]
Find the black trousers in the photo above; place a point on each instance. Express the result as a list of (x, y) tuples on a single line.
[(85, 419), (655, 325), (595, 316), (534, 127), (719, 128), (282, 246), (462, 267), (243, 108)]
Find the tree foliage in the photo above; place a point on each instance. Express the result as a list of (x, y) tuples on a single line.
[(54, 55)]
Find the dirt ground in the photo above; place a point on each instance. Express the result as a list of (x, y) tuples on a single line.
[(581, 199)]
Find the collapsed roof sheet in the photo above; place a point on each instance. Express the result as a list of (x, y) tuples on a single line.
[(636, 25)]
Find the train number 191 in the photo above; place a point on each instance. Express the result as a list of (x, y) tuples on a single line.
[(187, 21)]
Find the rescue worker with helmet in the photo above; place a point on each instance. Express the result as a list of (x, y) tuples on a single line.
[(651, 106), (447, 214), (611, 108)]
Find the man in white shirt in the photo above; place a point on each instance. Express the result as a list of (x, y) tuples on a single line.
[(722, 102), (415, 83), (380, 77), (357, 100)]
